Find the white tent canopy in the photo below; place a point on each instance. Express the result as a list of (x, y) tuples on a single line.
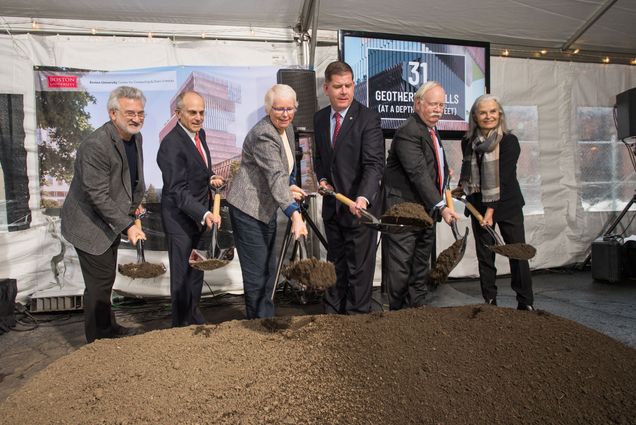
[(248, 33), (593, 26)]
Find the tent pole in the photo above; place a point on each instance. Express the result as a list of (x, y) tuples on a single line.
[(308, 17), (314, 34), (587, 24)]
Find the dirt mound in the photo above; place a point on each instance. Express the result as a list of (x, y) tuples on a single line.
[(459, 365)]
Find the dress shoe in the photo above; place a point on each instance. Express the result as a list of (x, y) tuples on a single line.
[(491, 301), (526, 307)]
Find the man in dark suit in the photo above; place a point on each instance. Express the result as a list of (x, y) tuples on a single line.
[(107, 188), (349, 159), (184, 160), (416, 171)]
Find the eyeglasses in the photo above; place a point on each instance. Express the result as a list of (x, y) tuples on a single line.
[(133, 114), (283, 110)]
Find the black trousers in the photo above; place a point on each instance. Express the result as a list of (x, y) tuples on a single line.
[(405, 266), (99, 272), (186, 283), (352, 250), (512, 231)]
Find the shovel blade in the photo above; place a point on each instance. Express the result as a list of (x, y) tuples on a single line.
[(200, 260), (448, 260), (516, 251)]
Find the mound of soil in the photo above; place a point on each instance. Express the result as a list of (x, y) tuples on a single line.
[(459, 365)]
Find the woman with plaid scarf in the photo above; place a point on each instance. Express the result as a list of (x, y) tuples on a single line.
[(489, 179)]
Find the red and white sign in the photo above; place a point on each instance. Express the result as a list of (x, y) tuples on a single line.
[(62, 81)]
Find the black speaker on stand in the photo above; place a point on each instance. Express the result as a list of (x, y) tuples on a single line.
[(608, 251), (626, 114), (303, 81)]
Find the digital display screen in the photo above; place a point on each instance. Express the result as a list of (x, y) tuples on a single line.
[(388, 69)]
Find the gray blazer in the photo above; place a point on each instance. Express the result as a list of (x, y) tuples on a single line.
[(261, 184), (100, 202)]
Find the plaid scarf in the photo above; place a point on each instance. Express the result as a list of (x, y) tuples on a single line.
[(481, 165)]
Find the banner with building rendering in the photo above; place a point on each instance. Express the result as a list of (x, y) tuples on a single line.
[(72, 103)]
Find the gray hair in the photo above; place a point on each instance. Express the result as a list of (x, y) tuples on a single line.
[(179, 102), (124, 92), (473, 127), (424, 88), (279, 91)]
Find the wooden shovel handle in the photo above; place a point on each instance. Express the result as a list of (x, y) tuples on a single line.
[(216, 205), (348, 202), (449, 200), (473, 211)]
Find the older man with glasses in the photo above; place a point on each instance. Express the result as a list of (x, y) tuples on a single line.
[(106, 191), (186, 169)]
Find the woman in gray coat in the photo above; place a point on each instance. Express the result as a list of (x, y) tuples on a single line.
[(265, 182)]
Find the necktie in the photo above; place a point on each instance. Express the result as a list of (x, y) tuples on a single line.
[(440, 169), (197, 141), (336, 129)]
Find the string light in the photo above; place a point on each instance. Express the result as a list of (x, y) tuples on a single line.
[(51, 28)]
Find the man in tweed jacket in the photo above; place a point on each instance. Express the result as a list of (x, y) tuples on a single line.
[(107, 187)]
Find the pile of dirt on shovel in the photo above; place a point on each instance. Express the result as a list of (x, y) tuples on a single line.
[(445, 262), (408, 212), (515, 250), (141, 270), (313, 273), (458, 365)]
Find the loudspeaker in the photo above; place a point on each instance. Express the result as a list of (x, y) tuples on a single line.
[(303, 81), (606, 260), (8, 292), (626, 113)]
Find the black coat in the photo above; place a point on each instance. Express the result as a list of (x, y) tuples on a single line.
[(354, 168), (185, 195), (411, 173), (510, 198)]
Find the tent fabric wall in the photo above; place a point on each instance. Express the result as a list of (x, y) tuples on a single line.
[(562, 233)]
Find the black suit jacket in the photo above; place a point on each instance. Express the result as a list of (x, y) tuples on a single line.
[(510, 198), (354, 168), (411, 173), (185, 195)]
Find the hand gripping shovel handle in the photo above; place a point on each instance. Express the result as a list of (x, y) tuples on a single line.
[(141, 258), (480, 219), (216, 209), (450, 204), (348, 202)]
